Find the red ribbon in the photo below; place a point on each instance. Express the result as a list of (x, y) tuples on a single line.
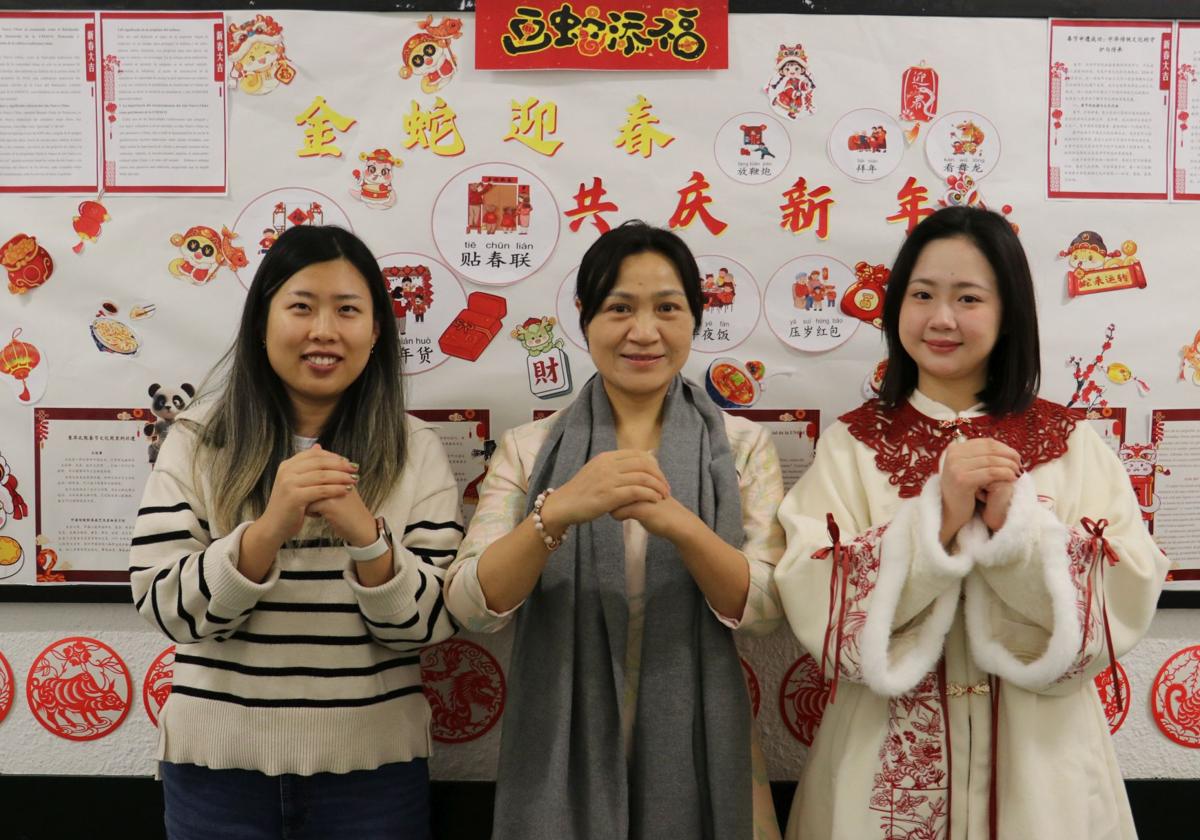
[(1102, 551), (839, 576)]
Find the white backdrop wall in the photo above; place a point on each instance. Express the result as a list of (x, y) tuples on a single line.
[(995, 67)]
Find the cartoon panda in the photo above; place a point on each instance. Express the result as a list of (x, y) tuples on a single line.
[(166, 405)]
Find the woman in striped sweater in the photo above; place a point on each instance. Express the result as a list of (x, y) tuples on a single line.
[(264, 549)]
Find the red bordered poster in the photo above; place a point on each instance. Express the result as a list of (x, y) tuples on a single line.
[(49, 133), (1109, 423), (465, 434), (794, 431), (163, 100), (602, 35), (1175, 434), (1185, 146), (1108, 121), (90, 467)]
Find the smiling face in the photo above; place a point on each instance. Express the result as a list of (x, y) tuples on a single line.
[(320, 331), (950, 319), (642, 333)]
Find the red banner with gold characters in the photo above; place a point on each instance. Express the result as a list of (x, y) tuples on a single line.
[(602, 35)]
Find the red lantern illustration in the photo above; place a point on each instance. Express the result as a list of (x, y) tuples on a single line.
[(29, 265), (17, 359), (919, 94)]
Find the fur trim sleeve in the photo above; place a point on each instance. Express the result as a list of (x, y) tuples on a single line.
[(915, 599), (1032, 654)]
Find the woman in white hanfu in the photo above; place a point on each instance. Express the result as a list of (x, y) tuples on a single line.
[(964, 558)]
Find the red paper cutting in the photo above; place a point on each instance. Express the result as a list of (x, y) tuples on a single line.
[(464, 685), (1108, 699), (8, 687), (156, 687), (1175, 697), (79, 688), (752, 686), (802, 698)]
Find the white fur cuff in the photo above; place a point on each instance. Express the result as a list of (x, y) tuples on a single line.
[(893, 663), (1023, 523)]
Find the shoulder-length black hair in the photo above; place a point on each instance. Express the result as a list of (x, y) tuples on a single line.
[(248, 433), (602, 263), (1014, 367)]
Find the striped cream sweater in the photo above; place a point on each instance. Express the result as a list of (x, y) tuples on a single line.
[(308, 671)]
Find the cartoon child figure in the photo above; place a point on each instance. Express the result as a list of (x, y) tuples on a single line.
[(373, 183), (508, 219), (830, 296), (814, 289), (523, 212), (791, 89), (396, 277), (258, 63), (419, 306), (475, 193), (268, 239), (490, 218), (203, 251), (429, 56)]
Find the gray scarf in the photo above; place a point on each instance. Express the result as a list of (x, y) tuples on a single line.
[(563, 772)]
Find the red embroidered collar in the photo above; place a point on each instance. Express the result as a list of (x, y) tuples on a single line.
[(908, 445)]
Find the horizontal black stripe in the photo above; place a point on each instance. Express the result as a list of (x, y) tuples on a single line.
[(175, 508), (215, 619), (433, 552), (135, 569), (323, 542), (404, 626), (285, 606), (297, 671), (165, 536), (433, 526), (295, 703), (332, 574), (265, 639)]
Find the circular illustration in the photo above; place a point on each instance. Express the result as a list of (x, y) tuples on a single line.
[(465, 688), (801, 303), (1175, 697), (113, 336), (426, 297), (753, 148), (22, 364), (1108, 699), (265, 218), (8, 687), (495, 223), (962, 143), (866, 144), (12, 558), (156, 687), (802, 699), (79, 689), (753, 687), (568, 315), (732, 304)]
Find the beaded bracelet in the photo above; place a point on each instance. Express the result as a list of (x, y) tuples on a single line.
[(551, 542)]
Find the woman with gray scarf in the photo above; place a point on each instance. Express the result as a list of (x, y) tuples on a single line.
[(629, 533)]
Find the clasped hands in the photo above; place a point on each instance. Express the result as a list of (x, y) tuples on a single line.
[(313, 483), (978, 476), (627, 483)]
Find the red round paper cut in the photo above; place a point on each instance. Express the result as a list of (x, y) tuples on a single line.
[(752, 686), (464, 685), (1175, 697), (8, 687), (802, 699), (156, 687), (79, 689), (1108, 699)]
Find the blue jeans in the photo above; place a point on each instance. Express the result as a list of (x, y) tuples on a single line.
[(389, 803)]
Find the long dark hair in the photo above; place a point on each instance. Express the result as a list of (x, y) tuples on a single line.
[(248, 432), (1014, 368), (602, 263)]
